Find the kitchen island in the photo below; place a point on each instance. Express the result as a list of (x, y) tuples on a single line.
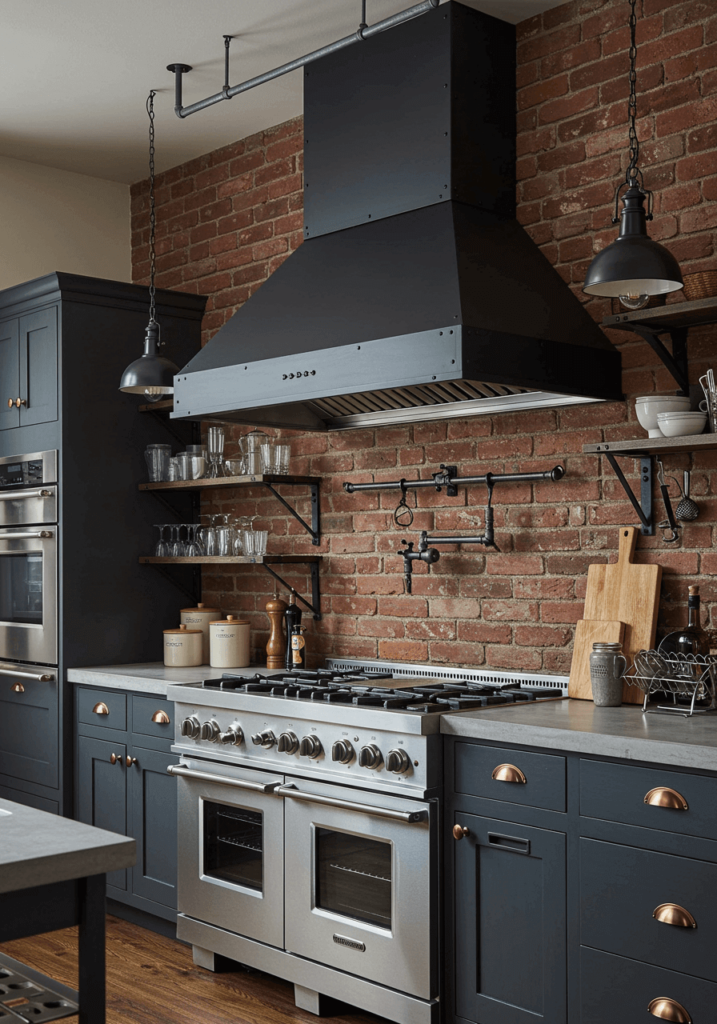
[(52, 875)]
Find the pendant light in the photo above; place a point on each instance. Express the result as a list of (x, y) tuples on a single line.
[(633, 267), (151, 375)]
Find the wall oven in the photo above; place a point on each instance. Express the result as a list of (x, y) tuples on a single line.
[(28, 558)]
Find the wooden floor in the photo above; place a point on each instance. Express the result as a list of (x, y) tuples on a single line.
[(152, 980)]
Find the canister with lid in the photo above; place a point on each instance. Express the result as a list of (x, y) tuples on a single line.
[(229, 643), (199, 618), (182, 647)]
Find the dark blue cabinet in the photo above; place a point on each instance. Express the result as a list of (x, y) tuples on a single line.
[(28, 369), (132, 794), (9, 373)]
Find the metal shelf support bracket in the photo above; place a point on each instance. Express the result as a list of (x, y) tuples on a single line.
[(643, 507), (675, 361), (313, 530), (314, 605)]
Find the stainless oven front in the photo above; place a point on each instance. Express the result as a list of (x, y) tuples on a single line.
[(28, 558)]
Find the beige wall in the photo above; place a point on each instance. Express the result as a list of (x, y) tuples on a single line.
[(58, 220)]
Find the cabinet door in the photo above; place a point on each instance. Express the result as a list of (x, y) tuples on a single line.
[(153, 817), (38, 367), (102, 791), (9, 373), (29, 731), (510, 923)]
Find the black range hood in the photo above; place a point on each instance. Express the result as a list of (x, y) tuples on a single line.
[(416, 294)]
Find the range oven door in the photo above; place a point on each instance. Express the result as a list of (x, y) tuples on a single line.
[(231, 848), (361, 884), (28, 594)]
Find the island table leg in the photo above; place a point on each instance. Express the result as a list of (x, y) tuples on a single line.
[(91, 892)]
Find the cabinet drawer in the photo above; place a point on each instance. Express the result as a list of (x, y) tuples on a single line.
[(616, 792), (544, 775), (115, 702), (615, 990), (620, 889), (143, 711)]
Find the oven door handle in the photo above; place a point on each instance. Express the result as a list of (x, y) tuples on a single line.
[(224, 780), (16, 495), (26, 536), (350, 805), (41, 677)]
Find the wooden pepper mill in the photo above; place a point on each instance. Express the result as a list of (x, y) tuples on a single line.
[(276, 648)]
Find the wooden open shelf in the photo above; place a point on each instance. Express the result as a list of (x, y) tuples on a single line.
[(644, 446), (229, 560), (231, 481), (670, 317)]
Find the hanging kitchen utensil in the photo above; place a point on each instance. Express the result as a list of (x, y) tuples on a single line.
[(687, 510), (668, 523)]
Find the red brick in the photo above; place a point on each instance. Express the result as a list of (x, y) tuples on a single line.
[(574, 57), (534, 95), (696, 166), (542, 636), (568, 106), (552, 42), (403, 650)]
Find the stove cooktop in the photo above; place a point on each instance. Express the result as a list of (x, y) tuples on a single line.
[(381, 691)]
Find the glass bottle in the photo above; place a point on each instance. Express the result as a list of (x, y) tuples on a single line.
[(692, 638), (292, 616)]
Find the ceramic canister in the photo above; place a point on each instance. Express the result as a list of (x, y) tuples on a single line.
[(199, 618), (229, 643), (182, 647)]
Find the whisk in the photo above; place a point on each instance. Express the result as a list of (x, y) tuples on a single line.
[(687, 510)]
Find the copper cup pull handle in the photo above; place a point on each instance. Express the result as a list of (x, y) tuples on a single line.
[(18, 688), (129, 761), (669, 1009), (100, 709), (115, 760), (663, 796), (459, 831), (161, 718), (10, 403), (507, 773), (673, 913)]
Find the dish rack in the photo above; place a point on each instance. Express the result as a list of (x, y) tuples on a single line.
[(686, 676)]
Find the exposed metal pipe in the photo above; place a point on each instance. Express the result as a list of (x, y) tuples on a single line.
[(362, 33), (446, 479)]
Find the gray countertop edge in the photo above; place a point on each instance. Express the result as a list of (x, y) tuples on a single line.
[(151, 677), (624, 733), (63, 867)]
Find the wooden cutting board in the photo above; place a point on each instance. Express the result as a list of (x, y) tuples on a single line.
[(628, 593), (588, 632)]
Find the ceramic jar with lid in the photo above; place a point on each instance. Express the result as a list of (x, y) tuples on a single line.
[(199, 618), (229, 643), (183, 647)]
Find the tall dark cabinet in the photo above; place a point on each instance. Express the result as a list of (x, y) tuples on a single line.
[(64, 342)]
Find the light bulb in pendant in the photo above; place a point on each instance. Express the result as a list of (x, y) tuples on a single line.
[(634, 301), (154, 394)]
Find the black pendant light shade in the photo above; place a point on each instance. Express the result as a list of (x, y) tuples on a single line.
[(151, 375), (633, 266)]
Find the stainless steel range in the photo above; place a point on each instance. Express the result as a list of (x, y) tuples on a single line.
[(309, 816)]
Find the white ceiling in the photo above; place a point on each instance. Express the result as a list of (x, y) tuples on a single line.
[(75, 74)]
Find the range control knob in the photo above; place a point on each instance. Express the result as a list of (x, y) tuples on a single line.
[(264, 739), (310, 746), (234, 734), (288, 743), (210, 731), (190, 727), (342, 751), (370, 756), (397, 761)]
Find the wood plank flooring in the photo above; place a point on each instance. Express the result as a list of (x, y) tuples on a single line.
[(152, 980)]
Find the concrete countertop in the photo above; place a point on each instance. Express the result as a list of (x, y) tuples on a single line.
[(37, 848), (577, 725), (150, 677)]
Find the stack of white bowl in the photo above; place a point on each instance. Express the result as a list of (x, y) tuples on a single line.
[(668, 416)]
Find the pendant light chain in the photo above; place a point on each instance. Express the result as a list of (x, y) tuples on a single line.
[(152, 212), (632, 100)]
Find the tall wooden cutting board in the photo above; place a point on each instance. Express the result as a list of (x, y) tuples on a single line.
[(628, 593)]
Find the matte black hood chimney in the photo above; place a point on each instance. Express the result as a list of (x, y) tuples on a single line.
[(416, 294)]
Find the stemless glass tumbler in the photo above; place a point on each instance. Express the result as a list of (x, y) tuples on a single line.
[(215, 451)]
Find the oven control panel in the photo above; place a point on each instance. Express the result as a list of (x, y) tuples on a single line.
[(315, 749), (28, 470)]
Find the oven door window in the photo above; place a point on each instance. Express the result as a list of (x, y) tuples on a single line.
[(21, 588), (353, 876), (233, 845)]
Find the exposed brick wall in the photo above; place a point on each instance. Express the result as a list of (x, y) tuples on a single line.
[(226, 221)]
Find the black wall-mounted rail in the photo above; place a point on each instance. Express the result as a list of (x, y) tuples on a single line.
[(363, 32), (448, 477)]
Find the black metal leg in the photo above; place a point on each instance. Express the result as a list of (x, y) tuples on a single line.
[(91, 893)]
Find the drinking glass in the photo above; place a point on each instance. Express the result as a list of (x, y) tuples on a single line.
[(194, 548), (208, 534), (250, 445), (161, 549), (215, 450), (157, 458), (225, 535), (260, 538), (182, 459), (267, 458), (282, 454), (177, 542)]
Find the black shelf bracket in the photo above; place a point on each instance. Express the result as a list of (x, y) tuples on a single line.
[(313, 530), (675, 361), (643, 507), (314, 605), (194, 593)]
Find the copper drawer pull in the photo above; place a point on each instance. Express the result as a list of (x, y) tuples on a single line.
[(161, 718), (663, 796), (507, 773), (129, 761), (669, 1009), (673, 913), (18, 688), (17, 402), (115, 760), (459, 831), (100, 709)]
